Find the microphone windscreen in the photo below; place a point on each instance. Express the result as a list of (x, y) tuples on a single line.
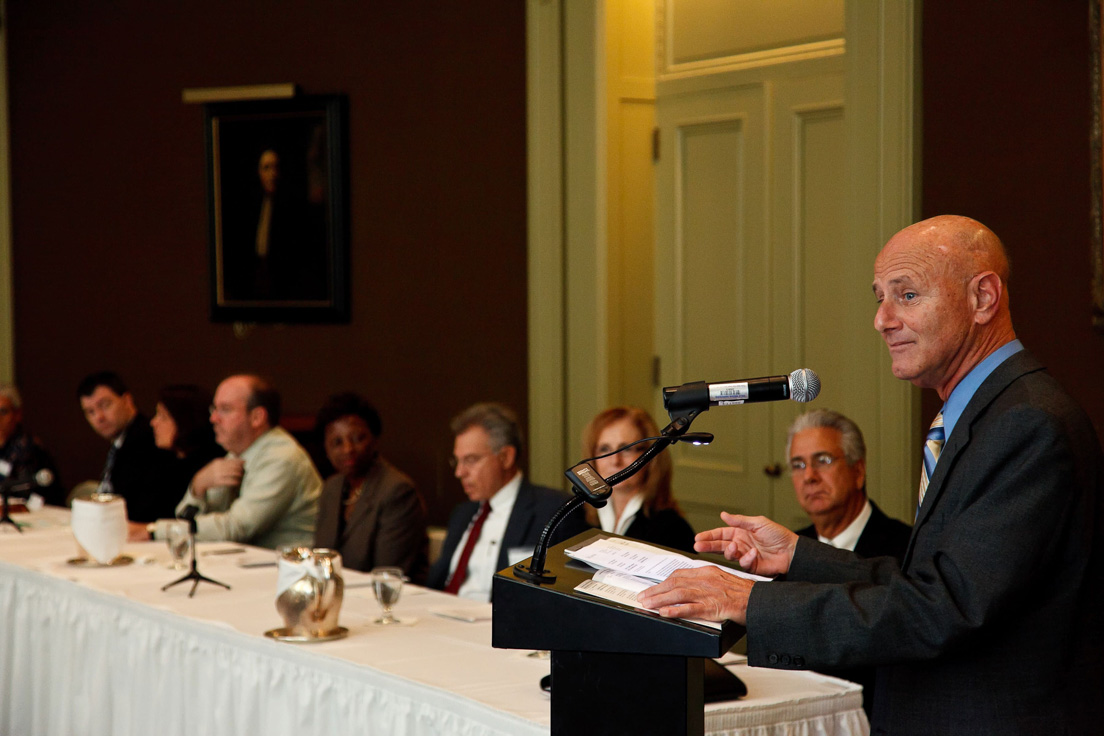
[(804, 385)]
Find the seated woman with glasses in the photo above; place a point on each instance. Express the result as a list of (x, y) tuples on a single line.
[(641, 506), (369, 510)]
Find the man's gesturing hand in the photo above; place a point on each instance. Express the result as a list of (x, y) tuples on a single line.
[(757, 543)]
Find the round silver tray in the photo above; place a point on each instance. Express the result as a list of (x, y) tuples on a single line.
[(286, 635), (86, 562)]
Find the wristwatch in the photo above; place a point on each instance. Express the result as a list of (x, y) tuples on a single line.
[(151, 529)]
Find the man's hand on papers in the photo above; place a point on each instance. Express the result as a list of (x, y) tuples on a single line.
[(757, 543), (703, 592)]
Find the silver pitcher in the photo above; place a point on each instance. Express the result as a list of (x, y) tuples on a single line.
[(309, 591)]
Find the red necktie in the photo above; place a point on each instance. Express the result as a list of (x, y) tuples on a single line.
[(461, 572)]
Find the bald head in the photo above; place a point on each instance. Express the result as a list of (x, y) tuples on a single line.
[(942, 287), (962, 245)]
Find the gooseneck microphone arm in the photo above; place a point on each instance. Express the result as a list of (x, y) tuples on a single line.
[(592, 488)]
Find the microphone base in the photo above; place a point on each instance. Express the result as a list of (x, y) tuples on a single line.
[(533, 576)]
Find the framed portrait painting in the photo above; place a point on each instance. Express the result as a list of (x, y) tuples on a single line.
[(277, 189)]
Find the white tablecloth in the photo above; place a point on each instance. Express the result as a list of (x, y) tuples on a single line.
[(105, 651)]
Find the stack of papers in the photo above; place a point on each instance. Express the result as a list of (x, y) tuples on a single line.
[(626, 567)]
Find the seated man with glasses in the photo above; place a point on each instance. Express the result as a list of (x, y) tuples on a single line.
[(828, 469), (502, 520), (265, 491)]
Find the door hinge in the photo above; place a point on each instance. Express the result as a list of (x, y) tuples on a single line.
[(655, 143)]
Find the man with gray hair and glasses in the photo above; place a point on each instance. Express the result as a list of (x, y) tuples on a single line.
[(828, 468), (504, 515), (827, 458)]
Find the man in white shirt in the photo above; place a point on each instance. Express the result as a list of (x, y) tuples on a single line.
[(828, 469), (265, 491), (502, 520)]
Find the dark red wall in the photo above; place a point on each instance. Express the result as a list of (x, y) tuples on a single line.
[(1006, 115), (110, 220)]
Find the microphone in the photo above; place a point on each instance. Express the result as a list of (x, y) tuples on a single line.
[(188, 515), (41, 479), (802, 385)]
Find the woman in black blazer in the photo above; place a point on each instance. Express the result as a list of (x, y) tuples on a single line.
[(642, 506)]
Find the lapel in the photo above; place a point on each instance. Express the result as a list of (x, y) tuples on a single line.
[(517, 526), (1016, 366), (366, 504)]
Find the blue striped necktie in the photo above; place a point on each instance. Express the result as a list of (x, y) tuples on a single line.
[(932, 447)]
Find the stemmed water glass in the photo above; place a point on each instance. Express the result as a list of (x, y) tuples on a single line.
[(179, 539), (387, 583)]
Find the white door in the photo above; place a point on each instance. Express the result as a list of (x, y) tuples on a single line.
[(759, 267)]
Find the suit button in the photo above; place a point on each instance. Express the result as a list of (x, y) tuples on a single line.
[(785, 659), (772, 659), (799, 661)]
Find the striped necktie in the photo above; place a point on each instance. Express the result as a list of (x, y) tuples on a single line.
[(932, 447), (106, 485)]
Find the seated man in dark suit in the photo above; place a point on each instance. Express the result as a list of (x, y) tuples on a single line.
[(505, 515), (135, 468), (22, 456), (828, 469)]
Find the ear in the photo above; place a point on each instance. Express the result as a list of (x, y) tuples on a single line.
[(509, 457), (986, 291), (129, 399), (258, 417), (860, 474)]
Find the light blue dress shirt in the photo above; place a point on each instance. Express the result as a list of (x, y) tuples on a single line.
[(968, 386)]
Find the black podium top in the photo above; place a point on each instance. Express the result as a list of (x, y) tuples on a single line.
[(555, 617)]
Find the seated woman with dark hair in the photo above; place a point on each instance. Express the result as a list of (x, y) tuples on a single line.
[(182, 423), (642, 506), (369, 510)]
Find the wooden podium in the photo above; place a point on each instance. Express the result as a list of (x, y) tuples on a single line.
[(615, 669)]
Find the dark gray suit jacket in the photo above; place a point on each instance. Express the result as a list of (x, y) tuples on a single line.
[(534, 506), (995, 622), (882, 535), (387, 526)]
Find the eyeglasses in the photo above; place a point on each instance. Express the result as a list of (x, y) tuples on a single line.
[(223, 410), (468, 461), (820, 461)]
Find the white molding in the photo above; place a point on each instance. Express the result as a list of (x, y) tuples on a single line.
[(753, 60), (546, 278), (884, 141)]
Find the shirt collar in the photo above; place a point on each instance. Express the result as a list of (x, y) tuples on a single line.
[(257, 446), (849, 537), (607, 515), (506, 495), (968, 386)]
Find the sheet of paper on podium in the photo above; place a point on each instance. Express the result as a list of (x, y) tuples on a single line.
[(625, 567)]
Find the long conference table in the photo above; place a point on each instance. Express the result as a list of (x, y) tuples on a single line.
[(102, 650)]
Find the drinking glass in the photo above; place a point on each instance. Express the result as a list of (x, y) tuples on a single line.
[(387, 583), (180, 543)]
